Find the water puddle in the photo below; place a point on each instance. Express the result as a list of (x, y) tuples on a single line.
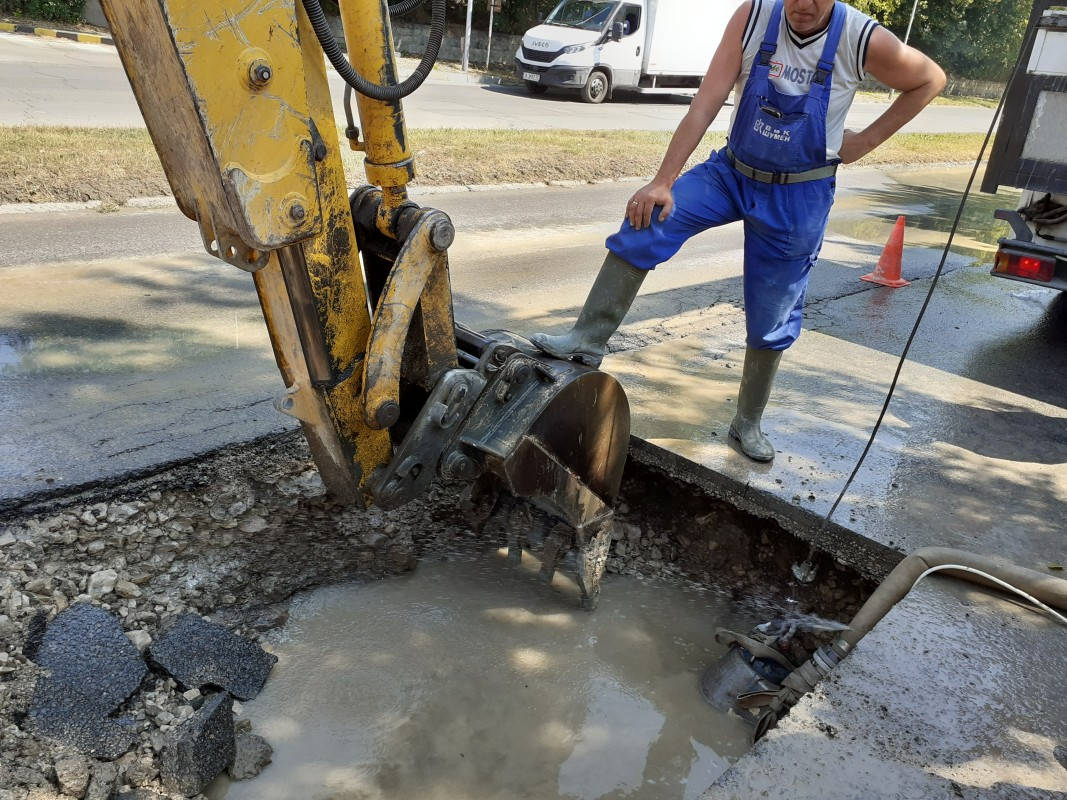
[(468, 679), (12, 348), (929, 199)]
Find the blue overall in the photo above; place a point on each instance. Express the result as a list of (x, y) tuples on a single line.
[(784, 222)]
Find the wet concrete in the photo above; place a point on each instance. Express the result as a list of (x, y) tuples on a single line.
[(469, 679), (975, 462)]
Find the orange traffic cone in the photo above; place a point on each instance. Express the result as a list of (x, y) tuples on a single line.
[(887, 273)]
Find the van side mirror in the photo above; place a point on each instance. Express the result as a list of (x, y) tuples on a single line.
[(617, 31)]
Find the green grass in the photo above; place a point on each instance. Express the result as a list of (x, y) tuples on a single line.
[(941, 100), (48, 164)]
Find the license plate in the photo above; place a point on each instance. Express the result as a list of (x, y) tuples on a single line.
[(531, 76)]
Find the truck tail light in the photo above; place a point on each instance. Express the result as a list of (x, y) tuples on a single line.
[(1029, 267)]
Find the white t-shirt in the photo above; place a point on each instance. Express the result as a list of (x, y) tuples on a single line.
[(795, 61)]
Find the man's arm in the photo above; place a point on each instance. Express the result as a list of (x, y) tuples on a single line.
[(714, 89), (916, 77)]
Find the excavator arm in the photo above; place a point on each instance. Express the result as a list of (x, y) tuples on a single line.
[(236, 99)]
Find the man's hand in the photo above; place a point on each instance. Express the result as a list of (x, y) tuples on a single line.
[(854, 146), (640, 207)]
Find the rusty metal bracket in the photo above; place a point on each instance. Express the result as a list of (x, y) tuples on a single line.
[(418, 279), (415, 464)]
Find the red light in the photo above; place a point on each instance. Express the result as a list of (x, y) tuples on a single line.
[(1034, 269)]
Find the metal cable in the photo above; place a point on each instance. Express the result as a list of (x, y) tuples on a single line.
[(999, 582), (929, 295)]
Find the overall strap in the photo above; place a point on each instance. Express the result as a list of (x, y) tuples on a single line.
[(829, 51), (770, 38)]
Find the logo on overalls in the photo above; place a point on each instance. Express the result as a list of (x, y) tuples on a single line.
[(770, 132), (797, 75)]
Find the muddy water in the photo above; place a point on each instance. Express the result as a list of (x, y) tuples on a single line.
[(469, 680)]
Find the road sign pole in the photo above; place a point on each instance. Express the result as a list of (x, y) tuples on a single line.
[(489, 43), (467, 36)]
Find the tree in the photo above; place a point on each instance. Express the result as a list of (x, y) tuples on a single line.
[(977, 39)]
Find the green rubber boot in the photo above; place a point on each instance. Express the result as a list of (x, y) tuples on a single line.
[(756, 381), (610, 298)]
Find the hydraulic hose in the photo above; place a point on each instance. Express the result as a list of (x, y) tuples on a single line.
[(404, 7), (1046, 589), (329, 45)]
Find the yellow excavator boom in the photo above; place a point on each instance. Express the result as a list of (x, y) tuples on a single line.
[(236, 98)]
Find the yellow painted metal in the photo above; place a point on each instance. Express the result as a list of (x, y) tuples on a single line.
[(237, 101), (370, 49), (234, 141), (301, 399), (418, 267), (438, 323), (332, 259), (244, 66)]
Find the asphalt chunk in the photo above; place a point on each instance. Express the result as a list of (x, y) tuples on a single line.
[(198, 653), (201, 748), (91, 669)]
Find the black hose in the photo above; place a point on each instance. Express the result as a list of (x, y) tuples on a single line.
[(329, 45), (1025, 49), (404, 7)]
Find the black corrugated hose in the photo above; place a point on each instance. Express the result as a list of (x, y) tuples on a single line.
[(372, 90), (404, 7)]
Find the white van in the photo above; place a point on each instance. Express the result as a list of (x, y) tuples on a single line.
[(598, 46)]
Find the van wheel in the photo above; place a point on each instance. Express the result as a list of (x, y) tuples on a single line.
[(596, 88), (535, 88)]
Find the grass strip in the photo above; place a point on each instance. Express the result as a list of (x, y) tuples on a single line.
[(54, 164)]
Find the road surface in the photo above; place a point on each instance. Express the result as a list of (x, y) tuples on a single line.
[(57, 82), (123, 345)]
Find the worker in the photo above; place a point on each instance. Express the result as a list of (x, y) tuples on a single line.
[(796, 65)]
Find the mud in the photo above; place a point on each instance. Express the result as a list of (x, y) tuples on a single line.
[(234, 536), (471, 679)]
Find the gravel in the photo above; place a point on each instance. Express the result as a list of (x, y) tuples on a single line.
[(230, 537)]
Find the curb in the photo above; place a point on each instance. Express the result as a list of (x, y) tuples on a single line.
[(166, 201), (52, 33)]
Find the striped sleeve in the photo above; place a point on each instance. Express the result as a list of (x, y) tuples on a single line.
[(753, 19), (862, 43)]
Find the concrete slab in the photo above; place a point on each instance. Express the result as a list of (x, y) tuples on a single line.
[(971, 454), (955, 694)]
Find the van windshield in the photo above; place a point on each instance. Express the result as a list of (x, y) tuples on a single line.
[(589, 15)]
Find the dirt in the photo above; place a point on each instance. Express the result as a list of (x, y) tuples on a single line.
[(233, 536)]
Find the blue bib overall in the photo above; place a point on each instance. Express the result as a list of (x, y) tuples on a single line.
[(784, 222)]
